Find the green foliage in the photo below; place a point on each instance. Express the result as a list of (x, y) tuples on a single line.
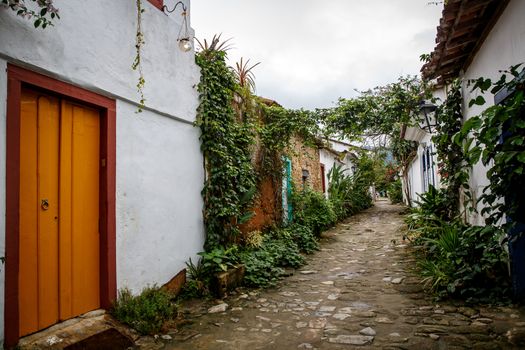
[(379, 111), (43, 15), (281, 248), (278, 126), (466, 261), (455, 259), (197, 283), (496, 137), (436, 202), (303, 236), (219, 259), (349, 194), (312, 209), (452, 164), (261, 270), (146, 312), (395, 192), (226, 144)]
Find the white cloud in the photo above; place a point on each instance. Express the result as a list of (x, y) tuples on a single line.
[(313, 52)]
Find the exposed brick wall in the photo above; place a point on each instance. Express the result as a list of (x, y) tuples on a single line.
[(268, 203), (307, 158), (267, 207)]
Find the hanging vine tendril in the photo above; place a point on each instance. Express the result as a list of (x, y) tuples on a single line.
[(137, 62)]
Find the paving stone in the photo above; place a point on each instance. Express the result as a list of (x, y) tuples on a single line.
[(317, 323), (352, 339), (397, 280), (367, 331), (384, 320), (364, 314), (218, 308), (327, 308), (340, 316)]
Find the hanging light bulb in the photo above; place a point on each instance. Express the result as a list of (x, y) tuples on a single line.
[(185, 44)]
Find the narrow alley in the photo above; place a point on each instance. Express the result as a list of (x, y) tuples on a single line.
[(357, 292)]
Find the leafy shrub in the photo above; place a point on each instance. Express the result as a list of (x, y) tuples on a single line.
[(261, 270), (197, 283), (436, 202), (304, 237), (457, 259), (395, 192), (466, 261), (312, 209), (219, 259), (279, 249), (284, 251), (146, 312), (348, 194)]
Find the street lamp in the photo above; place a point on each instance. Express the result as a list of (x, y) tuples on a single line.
[(426, 109), (184, 35)]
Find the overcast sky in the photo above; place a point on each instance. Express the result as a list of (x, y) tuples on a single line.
[(313, 52)]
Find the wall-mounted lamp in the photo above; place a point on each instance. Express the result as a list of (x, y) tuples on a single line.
[(306, 175), (184, 34), (426, 109)]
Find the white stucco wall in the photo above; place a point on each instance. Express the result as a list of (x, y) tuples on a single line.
[(329, 160), (93, 46), (159, 164), (159, 221), (503, 47), (415, 172)]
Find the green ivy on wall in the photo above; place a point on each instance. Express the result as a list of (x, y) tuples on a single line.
[(497, 138), (452, 164), (226, 145)]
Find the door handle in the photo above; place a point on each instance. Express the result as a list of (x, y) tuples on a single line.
[(44, 204)]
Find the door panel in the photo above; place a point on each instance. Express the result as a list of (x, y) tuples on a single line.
[(59, 209), (85, 209), (38, 227)]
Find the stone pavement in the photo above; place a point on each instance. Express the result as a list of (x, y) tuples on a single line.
[(357, 292)]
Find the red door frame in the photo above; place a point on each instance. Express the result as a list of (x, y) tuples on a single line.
[(323, 181), (17, 78)]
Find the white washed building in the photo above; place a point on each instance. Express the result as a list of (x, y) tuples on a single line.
[(335, 153), (98, 196)]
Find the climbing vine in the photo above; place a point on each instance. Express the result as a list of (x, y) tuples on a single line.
[(497, 138), (137, 62), (226, 144), (451, 158)]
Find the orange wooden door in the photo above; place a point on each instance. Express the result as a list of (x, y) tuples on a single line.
[(59, 209)]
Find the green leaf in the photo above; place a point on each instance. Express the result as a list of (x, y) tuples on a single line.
[(473, 123), (37, 23), (477, 101)]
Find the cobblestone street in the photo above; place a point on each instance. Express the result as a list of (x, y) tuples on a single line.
[(357, 292)]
